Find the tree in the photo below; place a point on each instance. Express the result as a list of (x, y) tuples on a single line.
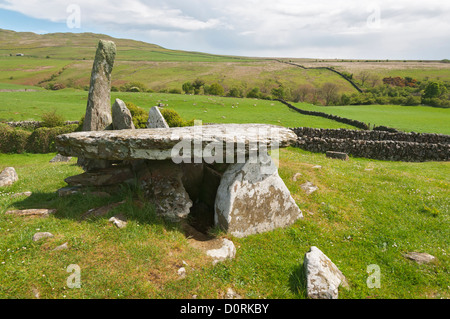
[(363, 76), (279, 92), (253, 93), (433, 90), (197, 84), (329, 91), (216, 89), (187, 87)]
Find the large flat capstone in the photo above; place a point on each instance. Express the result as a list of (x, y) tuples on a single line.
[(228, 143)]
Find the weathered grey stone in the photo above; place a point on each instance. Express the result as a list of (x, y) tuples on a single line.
[(420, 258), (98, 111), (338, 155), (227, 251), (102, 177), (101, 211), (309, 187), (27, 194), (159, 144), (121, 116), (252, 198), (323, 278), (42, 235), (62, 247), (155, 119), (60, 158), (161, 182), (8, 177), (32, 212)]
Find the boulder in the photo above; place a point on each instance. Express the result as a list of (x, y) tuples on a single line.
[(252, 198), (8, 177), (323, 278), (161, 182), (121, 116), (155, 119)]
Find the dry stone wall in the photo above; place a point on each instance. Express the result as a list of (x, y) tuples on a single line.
[(408, 147)]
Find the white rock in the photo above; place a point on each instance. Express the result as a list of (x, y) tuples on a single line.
[(182, 272), (309, 187), (252, 198), (420, 258), (227, 251), (118, 221), (8, 176), (323, 278)]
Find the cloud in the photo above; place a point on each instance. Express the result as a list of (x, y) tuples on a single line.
[(295, 28)]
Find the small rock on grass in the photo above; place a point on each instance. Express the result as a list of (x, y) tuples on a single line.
[(62, 247), (8, 177), (420, 258), (309, 187), (119, 221), (42, 235)]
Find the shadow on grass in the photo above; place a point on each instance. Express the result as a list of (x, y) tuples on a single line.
[(77, 206), (297, 281)]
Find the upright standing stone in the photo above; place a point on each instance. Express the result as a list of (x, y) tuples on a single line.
[(8, 177), (98, 111), (155, 119), (121, 116)]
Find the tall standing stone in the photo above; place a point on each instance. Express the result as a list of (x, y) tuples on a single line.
[(98, 111)]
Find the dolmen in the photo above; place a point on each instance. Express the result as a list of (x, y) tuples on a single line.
[(218, 175)]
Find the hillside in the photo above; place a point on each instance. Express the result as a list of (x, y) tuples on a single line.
[(67, 58)]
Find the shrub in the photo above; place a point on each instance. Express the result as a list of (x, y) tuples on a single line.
[(133, 87), (175, 91), (216, 89), (52, 119), (13, 140), (173, 119), (42, 140), (139, 115)]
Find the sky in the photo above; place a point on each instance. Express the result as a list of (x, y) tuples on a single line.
[(327, 29)]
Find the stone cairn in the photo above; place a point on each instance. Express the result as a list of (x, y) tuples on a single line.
[(241, 195)]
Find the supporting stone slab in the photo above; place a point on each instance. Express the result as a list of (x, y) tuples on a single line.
[(252, 198)]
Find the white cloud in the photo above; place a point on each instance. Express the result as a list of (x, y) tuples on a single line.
[(297, 28)]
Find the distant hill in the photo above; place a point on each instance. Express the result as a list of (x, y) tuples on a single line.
[(66, 58), (79, 46)]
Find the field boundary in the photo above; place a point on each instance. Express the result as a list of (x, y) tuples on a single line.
[(400, 146), (355, 123)]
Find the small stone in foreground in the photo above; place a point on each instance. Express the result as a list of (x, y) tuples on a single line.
[(60, 158), (420, 258), (39, 236), (227, 251), (27, 194), (62, 247), (119, 221), (309, 187), (338, 155), (32, 212), (8, 177)]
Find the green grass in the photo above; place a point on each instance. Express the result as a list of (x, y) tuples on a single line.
[(72, 105), (365, 212), (423, 119)]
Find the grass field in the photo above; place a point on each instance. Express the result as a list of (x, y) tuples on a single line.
[(72, 105), (365, 212), (423, 119)]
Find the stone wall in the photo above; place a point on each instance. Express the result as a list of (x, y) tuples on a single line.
[(336, 118), (33, 124), (408, 147)]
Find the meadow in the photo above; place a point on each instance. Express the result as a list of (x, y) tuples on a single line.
[(365, 212)]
